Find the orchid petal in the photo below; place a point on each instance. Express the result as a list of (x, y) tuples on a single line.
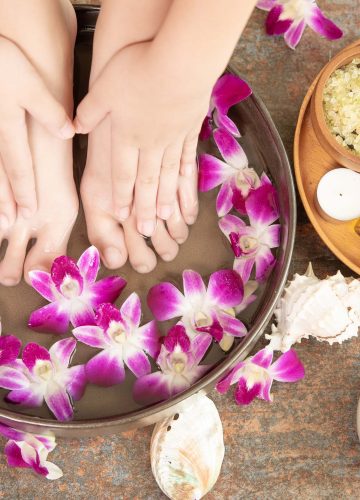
[(63, 267), (9, 349), (105, 369), (11, 378), (265, 390), (231, 224), (228, 91), (106, 290), (149, 338), (77, 382), (293, 35), (212, 172), (288, 368), (223, 122), (33, 353), (90, 335), (131, 309), (264, 261), (28, 397), (58, 402), (63, 350), (238, 201), (273, 24), (151, 388), (43, 284), (11, 433), (265, 4), (263, 358), (13, 455), (245, 395), (177, 336), (107, 313), (230, 149), (54, 472), (199, 346), (322, 25), (243, 266), (232, 326), (81, 314), (262, 205), (53, 317), (137, 361), (165, 301), (225, 288), (31, 456), (89, 264), (271, 237), (231, 378), (224, 199), (194, 287), (206, 129)]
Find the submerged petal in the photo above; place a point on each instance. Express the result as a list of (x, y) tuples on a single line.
[(77, 382), (53, 318), (105, 369), (63, 350), (225, 288), (137, 361), (90, 335), (206, 129), (199, 346), (165, 301), (106, 290), (194, 287), (224, 199), (30, 397), (89, 263), (212, 172), (265, 261), (243, 266), (230, 149), (81, 313), (232, 326), (12, 378), (43, 284), (58, 402), (151, 388), (33, 353), (262, 206), (149, 338), (9, 349), (131, 309)]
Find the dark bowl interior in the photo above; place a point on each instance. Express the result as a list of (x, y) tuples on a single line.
[(103, 410)]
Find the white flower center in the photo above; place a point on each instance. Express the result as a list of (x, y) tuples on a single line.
[(178, 362), (248, 243), (255, 374), (117, 332), (247, 178), (202, 319), (295, 9), (44, 370), (70, 288)]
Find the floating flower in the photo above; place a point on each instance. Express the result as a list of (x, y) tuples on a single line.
[(122, 340), (235, 175), (44, 375), (9, 349), (29, 451), (178, 361), (255, 375), (203, 310), (73, 292), (228, 91), (290, 17), (252, 244)]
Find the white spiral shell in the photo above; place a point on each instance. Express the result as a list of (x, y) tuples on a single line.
[(187, 450), (327, 309)]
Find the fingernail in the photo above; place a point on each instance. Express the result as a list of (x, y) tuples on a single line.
[(166, 211), (123, 213), (188, 169), (142, 269), (4, 223), (25, 212), (67, 131), (113, 257), (147, 228)]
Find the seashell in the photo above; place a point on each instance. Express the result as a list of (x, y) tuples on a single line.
[(327, 309), (187, 450)]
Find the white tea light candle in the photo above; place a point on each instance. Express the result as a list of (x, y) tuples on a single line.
[(338, 194)]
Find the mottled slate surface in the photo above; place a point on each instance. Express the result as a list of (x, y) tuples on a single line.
[(304, 445)]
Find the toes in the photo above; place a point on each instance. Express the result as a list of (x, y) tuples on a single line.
[(7, 203), (188, 196), (177, 226), (163, 243), (141, 257), (11, 267)]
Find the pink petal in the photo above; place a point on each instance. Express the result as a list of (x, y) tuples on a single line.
[(27, 397), (90, 335), (230, 149), (43, 284), (225, 123), (212, 172), (177, 336), (288, 368), (13, 455), (59, 403), (105, 314), (228, 91), (63, 350), (137, 361), (271, 237), (34, 352), (51, 318), (243, 266), (149, 338), (244, 395), (322, 25), (293, 35), (231, 326), (238, 201), (106, 290), (199, 346), (9, 349), (194, 287), (225, 288), (206, 129), (89, 264), (165, 301), (31, 456), (65, 266), (77, 382), (151, 388), (105, 369), (263, 358), (131, 309), (273, 25), (11, 433), (224, 199), (231, 224), (264, 261), (265, 391), (262, 205), (232, 377), (81, 314), (12, 378), (266, 4)]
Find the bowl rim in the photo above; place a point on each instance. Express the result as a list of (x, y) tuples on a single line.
[(151, 414)]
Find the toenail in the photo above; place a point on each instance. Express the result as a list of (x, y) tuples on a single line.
[(190, 219), (147, 227), (142, 269), (180, 240), (4, 223), (165, 211), (166, 257), (113, 257), (9, 281), (123, 213)]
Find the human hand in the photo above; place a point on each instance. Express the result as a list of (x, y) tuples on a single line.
[(155, 116)]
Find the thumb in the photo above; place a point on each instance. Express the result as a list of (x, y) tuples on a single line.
[(90, 112)]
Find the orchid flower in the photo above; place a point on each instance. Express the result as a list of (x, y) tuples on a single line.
[(252, 244), (209, 311), (255, 375), (73, 292), (178, 361), (9, 350), (228, 91), (44, 375), (290, 17), (122, 340), (30, 451), (235, 175)]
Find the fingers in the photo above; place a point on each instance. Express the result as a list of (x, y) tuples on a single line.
[(168, 183), (7, 203), (90, 112), (146, 188), (188, 156), (124, 165), (17, 162)]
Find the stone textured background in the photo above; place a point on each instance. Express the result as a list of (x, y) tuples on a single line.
[(302, 446)]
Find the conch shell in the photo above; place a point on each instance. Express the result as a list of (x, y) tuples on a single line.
[(328, 310), (187, 450)]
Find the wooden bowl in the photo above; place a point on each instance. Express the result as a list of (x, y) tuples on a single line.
[(327, 140)]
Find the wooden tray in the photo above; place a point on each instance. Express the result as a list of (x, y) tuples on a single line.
[(311, 163)]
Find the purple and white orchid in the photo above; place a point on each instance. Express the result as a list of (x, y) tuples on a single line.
[(255, 375), (73, 292), (178, 361), (9, 350), (122, 341), (45, 375), (228, 91), (30, 451), (209, 311), (237, 179), (290, 17), (252, 244)]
